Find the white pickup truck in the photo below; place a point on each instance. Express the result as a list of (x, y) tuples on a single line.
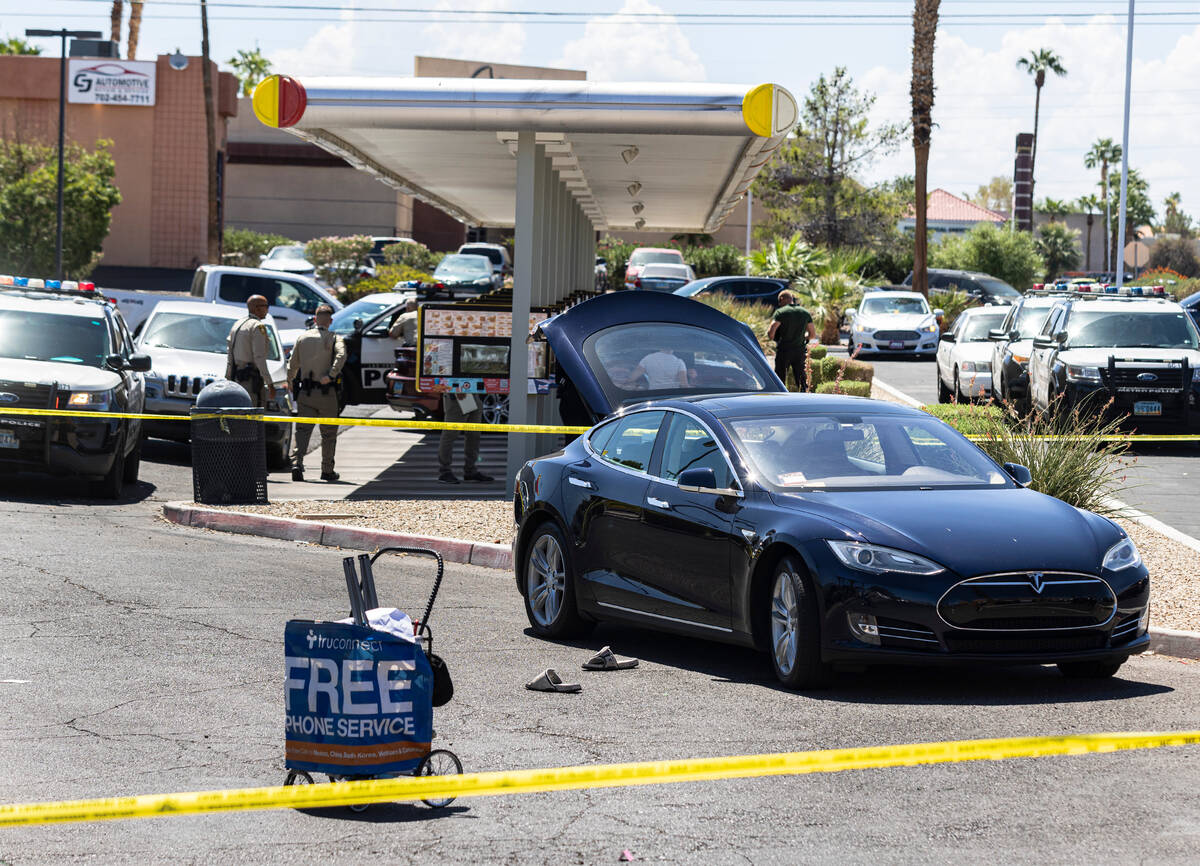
[(293, 298)]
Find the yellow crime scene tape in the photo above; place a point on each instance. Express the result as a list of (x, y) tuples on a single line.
[(495, 428), (583, 777)]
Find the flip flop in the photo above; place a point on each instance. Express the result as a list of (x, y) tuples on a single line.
[(607, 660), (550, 681)]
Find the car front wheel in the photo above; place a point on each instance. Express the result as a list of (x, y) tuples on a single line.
[(550, 586), (795, 629)]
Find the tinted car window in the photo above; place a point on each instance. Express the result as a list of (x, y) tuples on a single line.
[(1051, 323), (1029, 319), (710, 362), (494, 256), (645, 257), (977, 327), (999, 288), (51, 337), (363, 308), (298, 297), (887, 305), (1165, 330), (237, 288), (632, 440), (601, 435), (690, 446)]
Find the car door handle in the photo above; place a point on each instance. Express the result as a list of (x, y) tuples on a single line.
[(658, 503), (581, 482)]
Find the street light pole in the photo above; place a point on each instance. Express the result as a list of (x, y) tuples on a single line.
[(1120, 263), (62, 114)]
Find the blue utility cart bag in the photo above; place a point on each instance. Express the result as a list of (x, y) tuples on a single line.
[(358, 700)]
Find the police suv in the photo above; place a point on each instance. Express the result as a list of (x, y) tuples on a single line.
[(1138, 356), (64, 346)]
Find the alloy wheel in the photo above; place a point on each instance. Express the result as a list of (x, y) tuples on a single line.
[(546, 579), (495, 408), (785, 622)]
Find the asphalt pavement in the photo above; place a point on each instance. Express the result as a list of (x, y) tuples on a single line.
[(1164, 480), (143, 657)]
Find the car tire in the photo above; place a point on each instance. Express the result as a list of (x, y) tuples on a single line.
[(133, 462), (943, 391), (1089, 670), (495, 408), (958, 395), (795, 628), (548, 585), (112, 484)]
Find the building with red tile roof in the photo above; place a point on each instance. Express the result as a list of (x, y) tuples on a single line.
[(949, 214)]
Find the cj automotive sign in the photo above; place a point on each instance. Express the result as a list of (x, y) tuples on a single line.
[(101, 81)]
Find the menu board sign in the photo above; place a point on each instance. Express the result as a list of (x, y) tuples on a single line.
[(465, 348)]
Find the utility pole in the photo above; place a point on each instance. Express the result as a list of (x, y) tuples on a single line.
[(1125, 153), (62, 118), (210, 129)]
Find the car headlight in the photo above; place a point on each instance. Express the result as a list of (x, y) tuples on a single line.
[(976, 366), (96, 401), (860, 328), (1021, 359), (1082, 374), (1124, 554), (874, 559), (931, 328)]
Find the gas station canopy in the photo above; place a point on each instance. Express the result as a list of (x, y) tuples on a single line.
[(656, 157)]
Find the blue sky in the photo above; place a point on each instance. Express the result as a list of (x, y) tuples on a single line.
[(983, 100)]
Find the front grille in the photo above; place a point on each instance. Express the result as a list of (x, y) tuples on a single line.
[(1024, 644), (24, 438), (1168, 378), (1028, 601), (28, 395), (897, 336), (1126, 629), (900, 634), (186, 386)]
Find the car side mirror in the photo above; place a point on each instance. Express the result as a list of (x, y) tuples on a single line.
[(115, 362), (1019, 473), (1014, 334), (310, 321), (1061, 338), (358, 324), (1041, 342), (946, 337), (140, 363), (997, 335), (703, 480), (939, 313)]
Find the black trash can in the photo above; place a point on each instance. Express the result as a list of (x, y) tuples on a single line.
[(229, 456)]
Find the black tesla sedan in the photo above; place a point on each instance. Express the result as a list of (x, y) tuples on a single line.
[(820, 528)]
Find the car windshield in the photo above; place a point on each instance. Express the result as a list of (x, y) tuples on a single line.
[(286, 253), (637, 361), (850, 451), (976, 327), (463, 266), (1030, 319), (196, 332), (52, 337), (1088, 329), (647, 257), (363, 308), (997, 287), (889, 306), (492, 255)]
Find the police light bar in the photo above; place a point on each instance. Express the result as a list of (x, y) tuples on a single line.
[(7, 280)]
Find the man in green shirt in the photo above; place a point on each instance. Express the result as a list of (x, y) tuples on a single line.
[(792, 329)]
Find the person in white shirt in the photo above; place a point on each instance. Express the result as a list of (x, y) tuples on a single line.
[(662, 370)]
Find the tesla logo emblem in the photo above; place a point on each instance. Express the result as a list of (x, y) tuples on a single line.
[(1035, 580), (6, 397), (1147, 377)]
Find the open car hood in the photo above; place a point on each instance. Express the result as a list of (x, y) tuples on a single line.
[(597, 379)]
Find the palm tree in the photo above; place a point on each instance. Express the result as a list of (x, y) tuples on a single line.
[(1089, 204), (1056, 245), (135, 29), (925, 20), (792, 259), (118, 9), (1104, 152), (251, 67), (1055, 208), (1037, 64)]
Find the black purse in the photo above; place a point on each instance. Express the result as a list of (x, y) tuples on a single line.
[(443, 686)]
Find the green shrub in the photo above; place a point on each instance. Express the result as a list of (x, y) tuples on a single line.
[(970, 419), (817, 352), (245, 248), (835, 367), (415, 255), (846, 386), (756, 315), (338, 260), (1008, 255), (385, 279), (721, 260)]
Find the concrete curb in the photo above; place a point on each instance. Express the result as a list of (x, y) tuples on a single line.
[(331, 535), (897, 394), (1172, 642)]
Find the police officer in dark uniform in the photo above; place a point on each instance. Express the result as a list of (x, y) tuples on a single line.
[(313, 369), (246, 361)]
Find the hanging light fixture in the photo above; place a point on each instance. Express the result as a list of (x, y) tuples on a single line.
[(638, 223), (633, 189), (638, 207), (630, 153)]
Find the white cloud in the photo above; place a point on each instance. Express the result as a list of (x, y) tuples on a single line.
[(983, 101), (332, 50), (484, 40), (620, 48)]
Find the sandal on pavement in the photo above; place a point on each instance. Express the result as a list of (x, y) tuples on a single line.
[(550, 681), (607, 660)]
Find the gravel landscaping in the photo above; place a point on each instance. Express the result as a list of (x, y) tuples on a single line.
[(1174, 567)]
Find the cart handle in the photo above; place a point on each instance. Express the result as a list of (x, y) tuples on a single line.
[(437, 582)]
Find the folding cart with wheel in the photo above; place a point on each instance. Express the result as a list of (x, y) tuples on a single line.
[(360, 692)]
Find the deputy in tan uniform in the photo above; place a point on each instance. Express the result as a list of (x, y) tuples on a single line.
[(404, 328), (316, 362), (246, 361)]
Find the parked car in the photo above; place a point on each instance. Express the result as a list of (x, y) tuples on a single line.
[(647, 256), (69, 349), (497, 254), (375, 256), (964, 356), (894, 322), (1012, 342), (667, 277), (290, 259), (1137, 356), (982, 287), (361, 311), (187, 340), (763, 290), (462, 276), (818, 528), (1192, 305)]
